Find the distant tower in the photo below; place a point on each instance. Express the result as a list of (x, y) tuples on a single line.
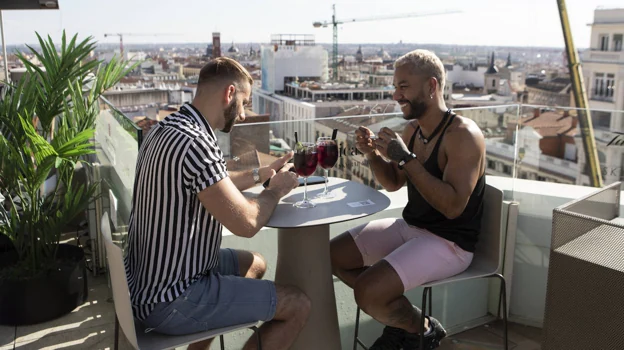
[(216, 45), (509, 65), (492, 78), (233, 51), (358, 56)]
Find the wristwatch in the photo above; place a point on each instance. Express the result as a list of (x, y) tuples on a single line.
[(256, 175), (406, 159)]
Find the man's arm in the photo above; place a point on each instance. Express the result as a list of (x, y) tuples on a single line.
[(245, 216), (466, 150), (244, 179), (386, 172)]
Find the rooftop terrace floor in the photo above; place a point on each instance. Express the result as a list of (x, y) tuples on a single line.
[(92, 326)]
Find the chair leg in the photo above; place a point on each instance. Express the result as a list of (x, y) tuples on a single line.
[(257, 333), (503, 299), (222, 342), (116, 332), (422, 317), (357, 328), (430, 301)]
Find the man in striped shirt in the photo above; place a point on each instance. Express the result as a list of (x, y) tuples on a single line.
[(180, 280)]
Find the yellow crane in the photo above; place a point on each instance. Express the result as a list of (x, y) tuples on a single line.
[(580, 97), (334, 22), (121, 36)]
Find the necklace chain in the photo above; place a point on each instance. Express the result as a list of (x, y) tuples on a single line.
[(426, 140)]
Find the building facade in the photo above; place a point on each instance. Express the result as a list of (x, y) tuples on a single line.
[(603, 72)]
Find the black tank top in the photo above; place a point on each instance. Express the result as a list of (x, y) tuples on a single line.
[(462, 230)]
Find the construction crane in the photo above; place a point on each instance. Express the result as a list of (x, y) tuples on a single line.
[(121, 35), (580, 97), (335, 24)]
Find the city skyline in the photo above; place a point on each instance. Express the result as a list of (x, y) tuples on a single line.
[(531, 23)]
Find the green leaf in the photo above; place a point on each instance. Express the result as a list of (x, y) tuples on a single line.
[(47, 123)]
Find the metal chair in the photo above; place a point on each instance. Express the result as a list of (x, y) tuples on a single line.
[(486, 263), (123, 308)]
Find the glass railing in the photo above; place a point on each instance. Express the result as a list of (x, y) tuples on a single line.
[(537, 143), (551, 148), (253, 144), (117, 142)]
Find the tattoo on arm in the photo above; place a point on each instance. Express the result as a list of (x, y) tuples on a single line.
[(396, 150)]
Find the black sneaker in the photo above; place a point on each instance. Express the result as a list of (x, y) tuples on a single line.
[(432, 340), (391, 339)]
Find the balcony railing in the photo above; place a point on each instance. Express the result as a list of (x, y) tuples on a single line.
[(603, 56)]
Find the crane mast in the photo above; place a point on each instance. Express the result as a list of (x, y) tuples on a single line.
[(334, 23)]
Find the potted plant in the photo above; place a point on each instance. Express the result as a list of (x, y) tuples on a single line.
[(47, 122)]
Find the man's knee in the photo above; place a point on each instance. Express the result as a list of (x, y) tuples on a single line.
[(372, 292), (334, 255), (251, 264), (344, 253), (258, 267), (365, 295)]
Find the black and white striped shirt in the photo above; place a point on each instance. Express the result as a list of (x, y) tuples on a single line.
[(172, 239)]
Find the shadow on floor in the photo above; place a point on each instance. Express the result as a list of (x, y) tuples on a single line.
[(92, 326)]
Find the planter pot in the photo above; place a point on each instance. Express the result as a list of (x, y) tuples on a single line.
[(8, 254), (48, 295)]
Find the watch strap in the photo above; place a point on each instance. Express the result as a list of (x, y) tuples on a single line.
[(405, 160), (256, 175)]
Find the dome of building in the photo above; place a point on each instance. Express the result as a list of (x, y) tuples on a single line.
[(384, 54), (233, 49)]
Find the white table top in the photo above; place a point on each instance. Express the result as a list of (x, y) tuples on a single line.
[(327, 211)]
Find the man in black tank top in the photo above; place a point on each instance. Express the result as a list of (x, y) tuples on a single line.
[(440, 156)]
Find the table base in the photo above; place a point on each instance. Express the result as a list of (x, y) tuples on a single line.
[(303, 261)]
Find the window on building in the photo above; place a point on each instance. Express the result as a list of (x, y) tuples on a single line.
[(604, 42), (507, 169), (610, 85), (604, 85), (493, 83), (617, 42), (601, 119), (491, 164)]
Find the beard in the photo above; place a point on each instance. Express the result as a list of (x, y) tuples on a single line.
[(230, 113), (417, 108)]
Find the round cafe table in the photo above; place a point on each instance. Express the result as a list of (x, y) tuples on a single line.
[(303, 250)]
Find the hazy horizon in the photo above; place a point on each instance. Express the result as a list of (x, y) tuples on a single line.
[(489, 23)]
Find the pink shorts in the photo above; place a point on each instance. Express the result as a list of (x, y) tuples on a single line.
[(417, 255)]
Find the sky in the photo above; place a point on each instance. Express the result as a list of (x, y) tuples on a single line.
[(479, 22)]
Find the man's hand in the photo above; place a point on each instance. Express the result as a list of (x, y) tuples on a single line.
[(268, 171), (283, 182), (391, 145), (363, 141)]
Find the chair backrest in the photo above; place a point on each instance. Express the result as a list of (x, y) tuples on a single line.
[(577, 217), (604, 203), (490, 246), (121, 292)]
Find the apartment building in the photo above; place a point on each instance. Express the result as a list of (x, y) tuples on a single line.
[(603, 72)]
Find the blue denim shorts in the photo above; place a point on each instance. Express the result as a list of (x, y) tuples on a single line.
[(219, 299)]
